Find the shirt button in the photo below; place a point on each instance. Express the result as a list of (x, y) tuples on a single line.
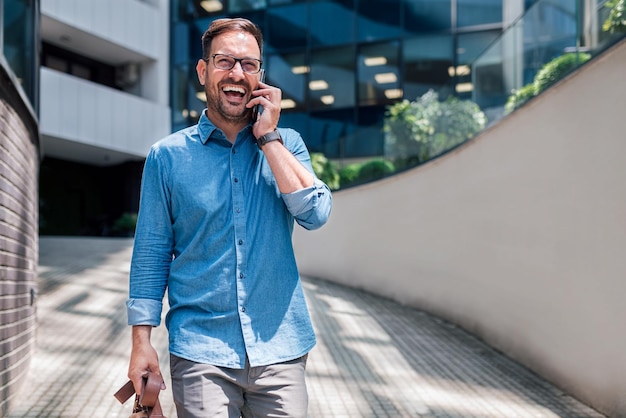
[(243, 309), (236, 180), (241, 275), (240, 241)]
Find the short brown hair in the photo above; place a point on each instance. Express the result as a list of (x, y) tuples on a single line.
[(219, 26)]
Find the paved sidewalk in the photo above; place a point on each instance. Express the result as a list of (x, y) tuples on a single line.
[(374, 358)]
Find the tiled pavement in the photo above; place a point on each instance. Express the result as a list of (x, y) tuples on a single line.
[(374, 358)]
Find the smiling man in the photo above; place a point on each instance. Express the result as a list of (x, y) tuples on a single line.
[(218, 205)]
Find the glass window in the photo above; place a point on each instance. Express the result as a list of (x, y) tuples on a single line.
[(329, 131), (187, 9), (332, 22), (331, 81), (181, 44), (427, 63), (379, 77), (279, 2), (289, 73), (469, 48), (19, 43), (378, 19), (237, 6), (478, 12), (422, 16), (369, 139), (287, 27)]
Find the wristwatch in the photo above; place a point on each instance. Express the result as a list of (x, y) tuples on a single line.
[(269, 137)]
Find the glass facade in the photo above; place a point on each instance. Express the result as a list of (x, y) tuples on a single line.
[(340, 63), (19, 40)]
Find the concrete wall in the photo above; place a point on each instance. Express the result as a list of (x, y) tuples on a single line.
[(19, 164), (81, 111), (519, 236)]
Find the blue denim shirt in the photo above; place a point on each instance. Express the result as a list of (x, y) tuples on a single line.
[(215, 232)]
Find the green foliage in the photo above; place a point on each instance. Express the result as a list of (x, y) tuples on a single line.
[(419, 130), (550, 73), (374, 170), (616, 22), (558, 68), (126, 223), (519, 97), (325, 170), (349, 174)]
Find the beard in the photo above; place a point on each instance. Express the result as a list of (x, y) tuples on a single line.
[(219, 105)]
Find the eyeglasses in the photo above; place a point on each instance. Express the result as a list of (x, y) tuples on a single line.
[(226, 62)]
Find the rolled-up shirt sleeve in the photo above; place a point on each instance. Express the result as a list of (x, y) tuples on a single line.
[(144, 312), (310, 206)]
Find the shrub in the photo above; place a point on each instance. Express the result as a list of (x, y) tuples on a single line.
[(325, 170), (519, 97), (548, 74), (349, 174), (558, 68), (125, 224), (419, 130), (374, 170), (616, 22)]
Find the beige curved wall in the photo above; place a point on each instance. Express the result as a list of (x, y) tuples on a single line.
[(518, 236)]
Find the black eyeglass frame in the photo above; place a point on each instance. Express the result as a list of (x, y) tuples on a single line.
[(237, 60)]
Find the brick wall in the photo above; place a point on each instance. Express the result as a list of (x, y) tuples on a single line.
[(19, 165)]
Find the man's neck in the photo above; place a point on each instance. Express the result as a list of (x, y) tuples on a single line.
[(230, 128)]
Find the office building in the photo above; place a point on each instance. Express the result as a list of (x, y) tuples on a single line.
[(339, 63), (104, 101)]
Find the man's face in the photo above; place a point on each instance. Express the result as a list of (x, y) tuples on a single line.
[(228, 91)]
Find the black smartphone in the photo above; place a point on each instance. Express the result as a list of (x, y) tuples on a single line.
[(255, 108)]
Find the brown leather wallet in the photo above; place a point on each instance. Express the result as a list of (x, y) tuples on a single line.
[(148, 400)]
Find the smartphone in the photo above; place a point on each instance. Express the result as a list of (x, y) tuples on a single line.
[(255, 108)]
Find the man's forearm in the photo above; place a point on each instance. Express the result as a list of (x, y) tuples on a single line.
[(289, 173), (141, 334)]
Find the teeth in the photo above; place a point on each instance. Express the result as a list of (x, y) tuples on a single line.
[(234, 89)]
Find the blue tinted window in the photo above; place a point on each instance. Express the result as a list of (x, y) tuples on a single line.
[(427, 64), (328, 131), (332, 22), (378, 19), (378, 72), (331, 81), (478, 12), (422, 16), (238, 6), (289, 73), (287, 27), (369, 139), (20, 40)]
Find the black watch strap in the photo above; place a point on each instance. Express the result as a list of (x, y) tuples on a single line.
[(269, 137)]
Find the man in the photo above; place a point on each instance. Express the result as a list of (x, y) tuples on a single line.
[(218, 204)]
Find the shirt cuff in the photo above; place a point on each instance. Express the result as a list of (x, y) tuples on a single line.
[(144, 312), (304, 200)]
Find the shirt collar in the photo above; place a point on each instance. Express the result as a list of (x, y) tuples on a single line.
[(206, 129)]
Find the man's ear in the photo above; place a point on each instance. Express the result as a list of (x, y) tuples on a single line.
[(201, 69)]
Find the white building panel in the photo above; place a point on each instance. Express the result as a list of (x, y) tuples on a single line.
[(79, 111), (129, 23)]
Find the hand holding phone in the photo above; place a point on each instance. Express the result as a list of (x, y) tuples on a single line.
[(255, 108)]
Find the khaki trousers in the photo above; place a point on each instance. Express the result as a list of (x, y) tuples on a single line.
[(206, 391)]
